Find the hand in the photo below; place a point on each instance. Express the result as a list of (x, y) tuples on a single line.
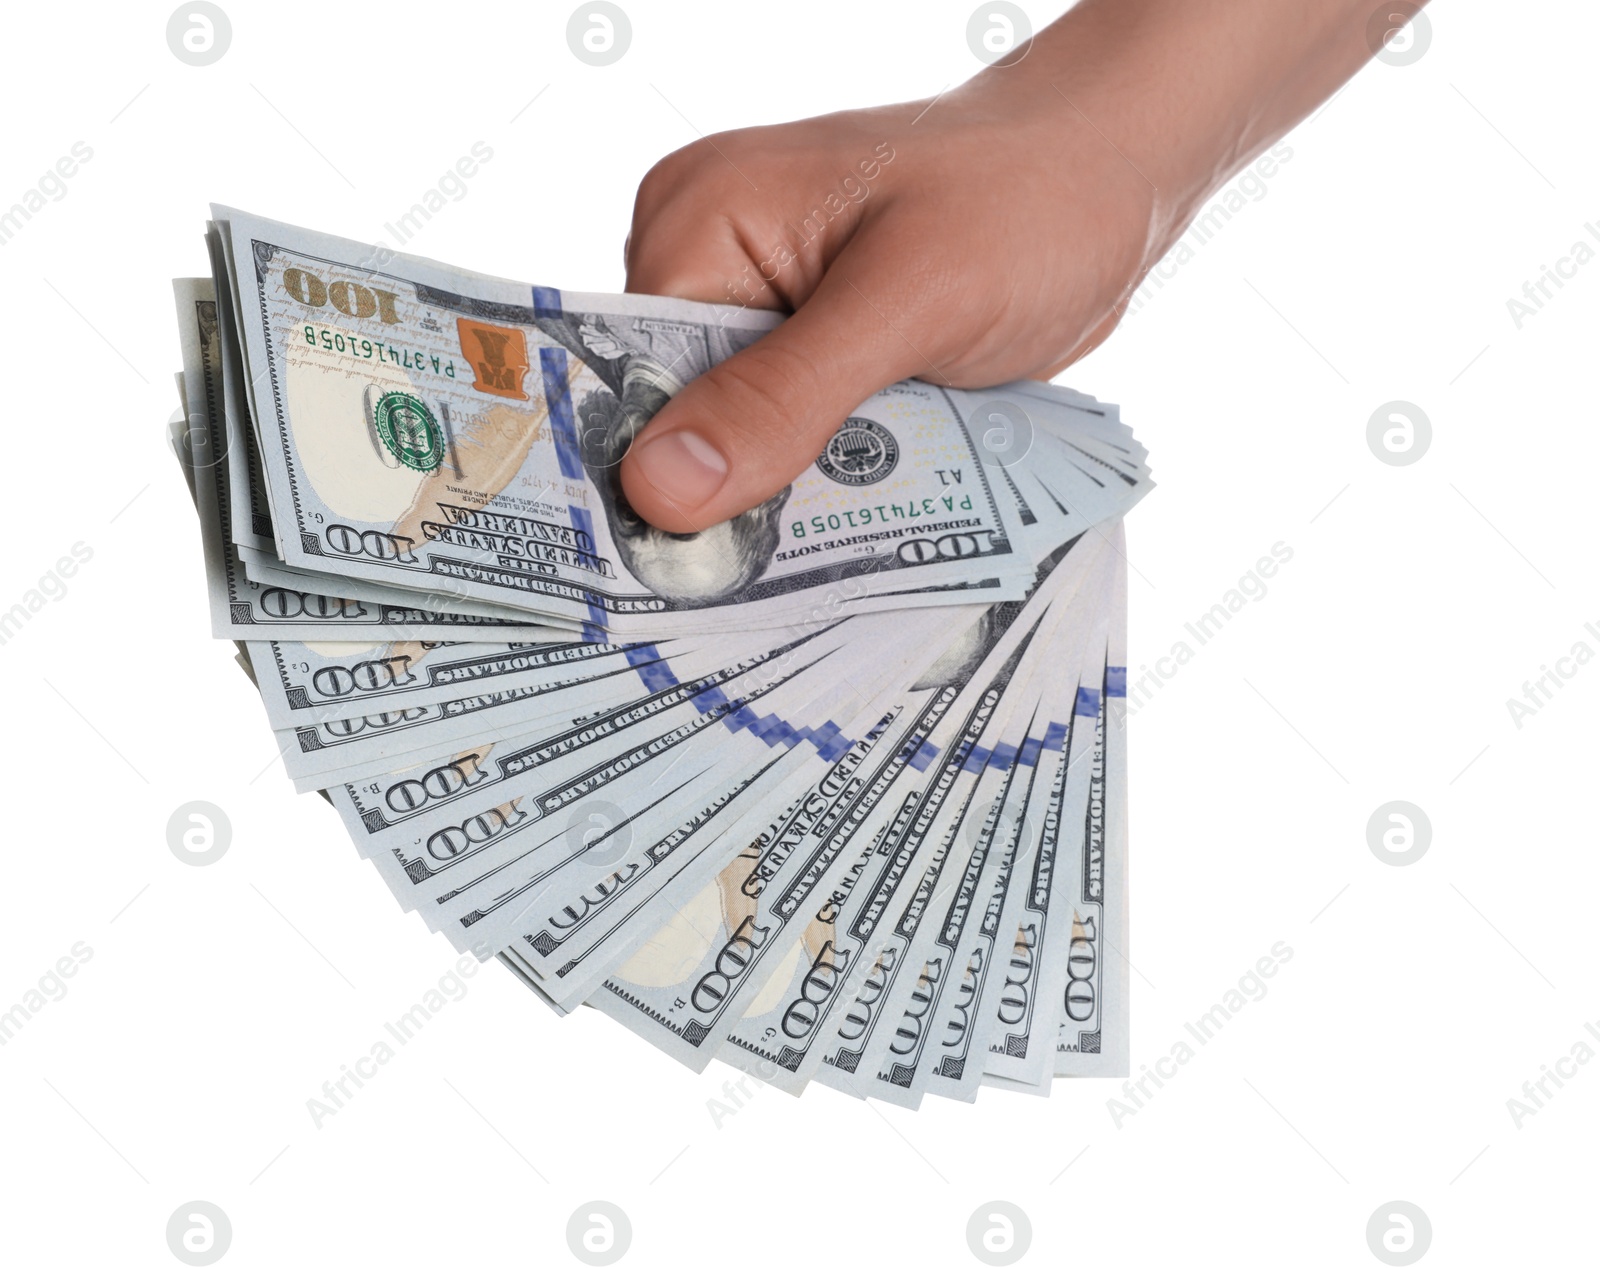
[(990, 234)]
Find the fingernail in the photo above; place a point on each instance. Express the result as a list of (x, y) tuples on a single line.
[(685, 466)]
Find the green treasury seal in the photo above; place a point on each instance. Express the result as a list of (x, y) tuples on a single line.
[(860, 452), (408, 431)]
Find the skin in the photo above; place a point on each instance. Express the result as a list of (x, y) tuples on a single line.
[(1018, 213)]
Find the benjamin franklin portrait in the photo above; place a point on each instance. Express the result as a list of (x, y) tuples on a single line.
[(641, 362)]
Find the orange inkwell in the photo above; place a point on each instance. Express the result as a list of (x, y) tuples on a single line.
[(499, 357)]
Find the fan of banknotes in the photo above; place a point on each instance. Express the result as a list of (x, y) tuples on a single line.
[(833, 791)]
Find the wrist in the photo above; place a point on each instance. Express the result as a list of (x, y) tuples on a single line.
[(1183, 92)]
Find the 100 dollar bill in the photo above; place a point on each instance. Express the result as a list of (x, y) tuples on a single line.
[(242, 608), (439, 430)]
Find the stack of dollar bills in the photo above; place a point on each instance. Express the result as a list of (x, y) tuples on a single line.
[(836, 790)]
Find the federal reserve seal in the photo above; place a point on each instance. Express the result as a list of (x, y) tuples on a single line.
[(860, 452), (408, 431)]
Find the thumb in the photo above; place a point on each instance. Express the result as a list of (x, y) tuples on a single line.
[(735, 435)]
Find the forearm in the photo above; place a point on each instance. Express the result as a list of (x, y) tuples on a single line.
[(1187, 91)]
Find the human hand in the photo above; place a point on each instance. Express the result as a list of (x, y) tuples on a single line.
[(989, 234)]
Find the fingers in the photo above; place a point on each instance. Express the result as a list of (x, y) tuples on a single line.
[(735, 435), (682, 241), (704, 263)]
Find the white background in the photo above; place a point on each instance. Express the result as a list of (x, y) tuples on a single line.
[(1377, 266)]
